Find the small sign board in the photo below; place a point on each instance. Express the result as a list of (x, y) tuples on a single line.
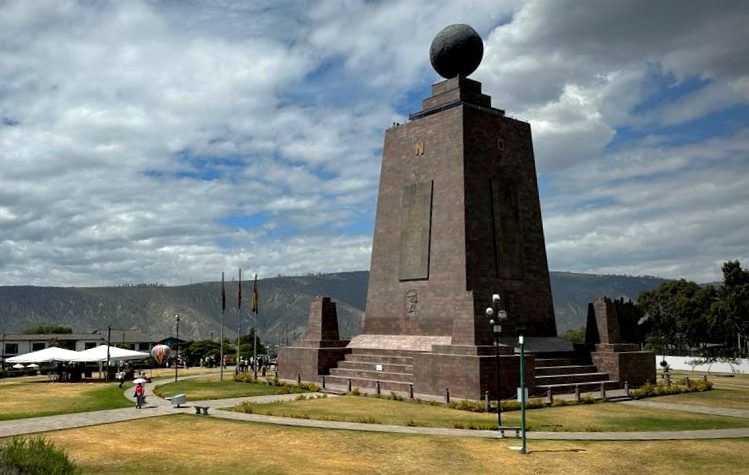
[(520, 395), (378, 367)]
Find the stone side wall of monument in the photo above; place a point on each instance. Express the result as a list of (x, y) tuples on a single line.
[(309, 362), (634, 367), (428, 151), (505, 238), (469, 377)]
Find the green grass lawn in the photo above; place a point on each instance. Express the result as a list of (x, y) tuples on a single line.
[(204, 445), (588, 418), (728, 392), (23, 399), (212, 388)]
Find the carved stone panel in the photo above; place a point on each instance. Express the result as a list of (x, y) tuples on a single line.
[(508, 246), (416, 227)]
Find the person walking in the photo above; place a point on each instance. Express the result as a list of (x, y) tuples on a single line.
[(140, 395)]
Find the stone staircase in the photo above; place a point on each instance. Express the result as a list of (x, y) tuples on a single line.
[(365, 367), (562, 374)]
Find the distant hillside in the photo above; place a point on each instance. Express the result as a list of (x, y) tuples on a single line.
[(284, 303)]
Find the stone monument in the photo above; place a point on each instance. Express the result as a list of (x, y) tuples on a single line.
[(458, 219)]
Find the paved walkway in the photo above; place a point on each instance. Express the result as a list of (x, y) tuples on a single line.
[(156, 406)]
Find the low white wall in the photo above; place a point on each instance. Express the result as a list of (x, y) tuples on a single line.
[(681, 363)]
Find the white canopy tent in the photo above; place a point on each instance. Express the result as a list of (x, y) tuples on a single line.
[(99, 354), (49, 354)]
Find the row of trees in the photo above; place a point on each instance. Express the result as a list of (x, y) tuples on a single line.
[(193, 351), (683, 317)]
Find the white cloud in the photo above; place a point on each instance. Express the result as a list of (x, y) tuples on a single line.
[(165, 140)]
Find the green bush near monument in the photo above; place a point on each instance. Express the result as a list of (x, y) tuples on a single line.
[(35, 455)]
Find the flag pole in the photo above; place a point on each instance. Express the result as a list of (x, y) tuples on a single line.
[(239, 318), (221, 332), (256, 306)]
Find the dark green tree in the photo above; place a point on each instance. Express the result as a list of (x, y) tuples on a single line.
[(198, 349), (730, 310), (246, 343), (48, 329), (676, 315), (629, 315)]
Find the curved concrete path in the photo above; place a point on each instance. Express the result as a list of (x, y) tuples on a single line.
[(156, 406)]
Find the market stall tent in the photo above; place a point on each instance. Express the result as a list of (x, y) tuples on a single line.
[(99, 354), (47, 355)]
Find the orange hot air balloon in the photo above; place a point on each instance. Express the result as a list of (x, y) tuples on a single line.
[(160, 354)]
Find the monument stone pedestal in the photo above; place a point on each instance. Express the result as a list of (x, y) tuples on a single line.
[(622, 361), (320, 349)]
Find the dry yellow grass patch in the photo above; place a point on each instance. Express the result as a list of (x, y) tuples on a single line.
[(190, 444)]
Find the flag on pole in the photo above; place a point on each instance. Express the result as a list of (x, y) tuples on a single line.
[(223, 293), (254, 296), (239, 290)]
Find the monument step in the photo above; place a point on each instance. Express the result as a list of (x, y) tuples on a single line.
[(379, 358), (369, 374), (571, 378), (369, 365), (567, 369), (385, 385), (569, 388), (382, 352), (547, 362)]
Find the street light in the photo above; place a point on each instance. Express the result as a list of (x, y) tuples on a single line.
[(176, 360), (521, 342), (496, 325)]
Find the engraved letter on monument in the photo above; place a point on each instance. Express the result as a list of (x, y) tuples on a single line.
[(416, 223)]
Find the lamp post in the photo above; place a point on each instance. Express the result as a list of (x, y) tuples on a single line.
[(496, 325), (176, 359), (521, 342), (2, 365), (109, 344)]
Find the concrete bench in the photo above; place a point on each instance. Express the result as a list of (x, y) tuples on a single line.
[(504, 429), (177, 400), (202, 409)]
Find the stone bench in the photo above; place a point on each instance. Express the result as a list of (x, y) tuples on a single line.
[(202, 409), (177, 400), (504, 429)]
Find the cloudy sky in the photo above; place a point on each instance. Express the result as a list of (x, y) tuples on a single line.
[(164, 141)]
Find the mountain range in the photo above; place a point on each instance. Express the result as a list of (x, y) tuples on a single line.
[(283, 304)]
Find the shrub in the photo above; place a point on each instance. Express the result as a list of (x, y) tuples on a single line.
[(309, 387), (35, 455), (356, 392), (411, 423), (535, 403), (678, 387), (465, 405), (512, 405)]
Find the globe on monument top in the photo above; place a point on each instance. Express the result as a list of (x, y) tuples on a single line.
[(456, 51)]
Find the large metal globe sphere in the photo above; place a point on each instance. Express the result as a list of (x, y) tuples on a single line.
[(456, 51)]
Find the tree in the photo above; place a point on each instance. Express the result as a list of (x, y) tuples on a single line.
[(677, 314), (730, 310), (195, 350), (246, 343), (576, 335), (629, 315), (48, 329)]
